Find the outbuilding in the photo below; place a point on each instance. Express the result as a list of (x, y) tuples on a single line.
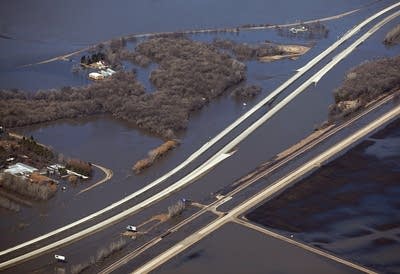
[(96, 76), (20, 169)]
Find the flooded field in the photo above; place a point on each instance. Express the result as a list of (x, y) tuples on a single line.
[(220, 251), (46, 29), (350, 206), (28, 36), (118, 145)]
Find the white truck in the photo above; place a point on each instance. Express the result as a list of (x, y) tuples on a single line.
[(60, 258), (131, 228)]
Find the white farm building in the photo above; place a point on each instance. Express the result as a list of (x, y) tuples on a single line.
[(20, 169)]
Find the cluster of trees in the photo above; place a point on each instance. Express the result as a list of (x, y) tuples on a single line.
[(365, 83), (246, 52), (154, 154), (109, 53), (393, 36), (246, 92), (19, 108), (189, 74), (176, 209), (79, 166), (23, 187), (37, 154), (95, 57)]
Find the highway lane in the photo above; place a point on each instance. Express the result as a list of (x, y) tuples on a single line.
[(313, 80), (248, 180), (270, 191), (221, 155)]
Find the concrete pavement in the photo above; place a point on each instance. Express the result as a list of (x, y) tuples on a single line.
[(205, 167), (269, 191)]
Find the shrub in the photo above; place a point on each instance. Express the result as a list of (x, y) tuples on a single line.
[(79, 166), (154, 154), (176, 209), (113, 247), (393, 36), (247, 92)]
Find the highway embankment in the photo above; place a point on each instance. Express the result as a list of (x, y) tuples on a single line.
[(204, 168), (278, 186), (234, 191)]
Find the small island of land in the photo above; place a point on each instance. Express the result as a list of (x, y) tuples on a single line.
[(31, 171), (393, 36), (188, 76), (364, 84)]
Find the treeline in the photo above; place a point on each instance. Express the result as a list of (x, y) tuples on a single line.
[(23, 187), (365, 83), (93, 58), (19, 108), (189, 75), (393, 36), (246, 52), (79, 166)]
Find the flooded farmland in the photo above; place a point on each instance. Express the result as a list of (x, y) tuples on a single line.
[(220, 251), (349, 207), (30, 33)]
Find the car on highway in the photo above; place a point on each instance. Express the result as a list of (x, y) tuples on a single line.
[(131, 228), (60, 258)]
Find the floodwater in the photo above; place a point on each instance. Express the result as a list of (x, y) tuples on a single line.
[(34, 31), (45, 29), (257, 253), (350, 206)]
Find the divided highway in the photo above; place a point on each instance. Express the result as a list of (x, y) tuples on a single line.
[(218, 157), (249, 179), (269, 191)]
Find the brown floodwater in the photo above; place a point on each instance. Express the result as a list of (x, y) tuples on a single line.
[(117, 144)]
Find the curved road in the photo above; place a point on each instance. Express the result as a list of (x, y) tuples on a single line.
[(222, 154), (108, 172)]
